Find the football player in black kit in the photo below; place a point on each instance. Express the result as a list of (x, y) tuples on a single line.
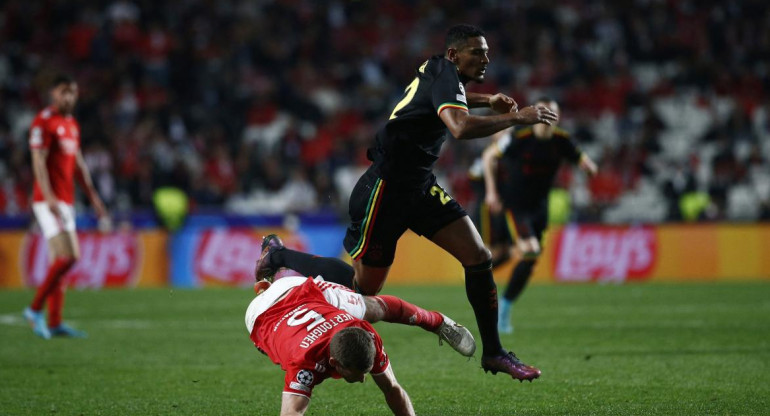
[(399, 190), (532, 156)]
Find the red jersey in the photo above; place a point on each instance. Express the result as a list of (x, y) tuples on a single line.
[(60, 134), (295, 333)]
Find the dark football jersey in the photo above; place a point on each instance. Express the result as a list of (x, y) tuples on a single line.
[(531, 164), (408, 145)]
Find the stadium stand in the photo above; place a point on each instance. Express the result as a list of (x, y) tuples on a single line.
[(261, 106)]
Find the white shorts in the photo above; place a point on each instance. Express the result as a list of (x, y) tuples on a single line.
[(339, 296), (49, 224)]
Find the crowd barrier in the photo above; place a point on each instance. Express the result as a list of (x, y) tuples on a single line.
[(202, 256)]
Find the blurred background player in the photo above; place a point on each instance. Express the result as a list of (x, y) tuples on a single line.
[(491, 225), (399, 190), (312, 340), (57, 161), (533, 156)]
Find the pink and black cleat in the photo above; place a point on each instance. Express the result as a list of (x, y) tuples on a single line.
[(508, 363)]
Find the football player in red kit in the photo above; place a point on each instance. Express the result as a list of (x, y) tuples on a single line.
[(316, 329), (54, 141), (312, 340)]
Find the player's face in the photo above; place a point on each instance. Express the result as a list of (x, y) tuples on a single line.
[(473, 58), (64, 97), (351, 375)]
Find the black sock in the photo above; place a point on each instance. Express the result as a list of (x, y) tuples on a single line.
[(330, 268), (519, 278), (482, 294)]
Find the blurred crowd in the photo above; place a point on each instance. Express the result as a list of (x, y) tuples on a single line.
[(269, 106)]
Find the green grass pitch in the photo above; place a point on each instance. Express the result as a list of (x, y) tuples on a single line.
[(653, 349)]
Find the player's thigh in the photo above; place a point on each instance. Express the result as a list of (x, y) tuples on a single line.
[(525, 229), (64, 245), (540, 222), (499, 230), (463, 242), (431, 209), (376, 221), (343, 298), (59, 232)]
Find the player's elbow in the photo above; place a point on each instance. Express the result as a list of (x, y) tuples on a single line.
[(461, 133)]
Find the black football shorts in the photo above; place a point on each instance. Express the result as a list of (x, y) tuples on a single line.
[(380, 214), (526, 222)]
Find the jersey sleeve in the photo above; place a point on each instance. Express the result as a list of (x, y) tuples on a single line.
[(503, 144), (300, 381), (448, 92), (38, 136)]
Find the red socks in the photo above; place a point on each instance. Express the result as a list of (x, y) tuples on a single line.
[(401, 311), (53, 290), (55, 305)]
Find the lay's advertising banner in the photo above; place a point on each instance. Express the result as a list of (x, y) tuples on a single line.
[(120, 259), (596, 253), (226, 256)]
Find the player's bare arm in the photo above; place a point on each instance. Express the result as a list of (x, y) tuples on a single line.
[(465, 126), (40, 171), (293, 404), (395, 395), (84, 178), (588, 165), (489, 162), (499, 103)]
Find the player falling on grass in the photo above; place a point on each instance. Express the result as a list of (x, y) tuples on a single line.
[(54, 141), (533, 156), (316, 330), (399, 190)]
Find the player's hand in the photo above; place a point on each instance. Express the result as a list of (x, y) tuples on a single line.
[(537, 114), (493, 202), (53, 205), (501, 103), (588, 165), (105, 224)]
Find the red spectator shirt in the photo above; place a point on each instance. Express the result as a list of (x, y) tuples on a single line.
[(60, 135), (295, 333)]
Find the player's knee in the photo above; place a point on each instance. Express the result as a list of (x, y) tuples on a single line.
[(67, 261), (529, 248), (364, 289), (480, 260), (479, 256)]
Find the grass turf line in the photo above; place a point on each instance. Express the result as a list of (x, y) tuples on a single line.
[(653, 349)]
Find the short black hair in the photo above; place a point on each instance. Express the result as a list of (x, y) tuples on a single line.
[(354, 348), (458, 34), (62, 79)]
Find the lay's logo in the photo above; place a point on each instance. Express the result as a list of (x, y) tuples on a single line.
[(106, 260), (227, 256), (605, 253)]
